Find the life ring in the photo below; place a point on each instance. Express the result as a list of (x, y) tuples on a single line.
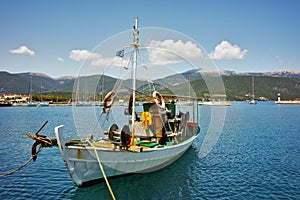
[(109, 97), (159, 100)]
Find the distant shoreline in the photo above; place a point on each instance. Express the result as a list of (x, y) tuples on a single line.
[(54, 104)]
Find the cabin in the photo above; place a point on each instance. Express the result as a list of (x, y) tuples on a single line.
[(156, 125)]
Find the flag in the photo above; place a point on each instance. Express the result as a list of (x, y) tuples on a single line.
[(120, 53)]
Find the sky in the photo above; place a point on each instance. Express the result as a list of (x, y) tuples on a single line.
[(55, 37)]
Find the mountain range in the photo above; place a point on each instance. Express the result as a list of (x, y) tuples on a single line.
[(238, 85), (279, 73)]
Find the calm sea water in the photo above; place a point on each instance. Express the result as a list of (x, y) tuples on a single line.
[(256, 157)]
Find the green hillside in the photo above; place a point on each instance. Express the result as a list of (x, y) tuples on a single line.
[(237, 87), (240, 87), (20, 83)]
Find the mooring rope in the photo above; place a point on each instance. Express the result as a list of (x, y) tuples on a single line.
[(26, 163), (103, 172), (103, 123)]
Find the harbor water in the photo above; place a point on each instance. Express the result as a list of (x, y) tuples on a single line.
[(257, 156)]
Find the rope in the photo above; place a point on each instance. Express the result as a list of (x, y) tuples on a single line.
[(103, 172), (103, 123), (98, 121), (26, 163)]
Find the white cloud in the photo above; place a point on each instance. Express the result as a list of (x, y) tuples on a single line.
[(227, 51), (96, 59), (80, 55), (160, 52), (116, 61), (60, 59), (23, 50), (169, 51)]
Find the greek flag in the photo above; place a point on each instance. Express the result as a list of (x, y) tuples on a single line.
[(120, 53)]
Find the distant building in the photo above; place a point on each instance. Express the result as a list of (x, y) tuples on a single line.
[(16, 98)]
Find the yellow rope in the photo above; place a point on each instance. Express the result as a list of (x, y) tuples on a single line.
[(103, 172), (26, 163)]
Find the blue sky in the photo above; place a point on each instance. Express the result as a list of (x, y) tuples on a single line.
[(38, 36)]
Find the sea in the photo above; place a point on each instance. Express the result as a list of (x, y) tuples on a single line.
[(256, 155)]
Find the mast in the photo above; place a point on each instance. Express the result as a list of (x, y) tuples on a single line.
[(41, 91), (30, 88), (135, 52), (102, 87), (253, 88)]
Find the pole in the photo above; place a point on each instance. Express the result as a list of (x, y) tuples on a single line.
[(135, 50)]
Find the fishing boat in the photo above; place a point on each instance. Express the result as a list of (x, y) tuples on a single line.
[(142, 137)]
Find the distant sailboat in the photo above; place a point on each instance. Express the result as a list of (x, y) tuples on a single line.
[(43, 103), (253, 101), (31, 103)]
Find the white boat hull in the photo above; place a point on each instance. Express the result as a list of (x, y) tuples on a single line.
[(83, 166), (214, 103), (253, 102)]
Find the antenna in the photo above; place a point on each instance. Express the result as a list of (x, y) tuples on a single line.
[(136, 22)]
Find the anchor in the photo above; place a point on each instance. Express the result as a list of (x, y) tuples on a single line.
[(41, 140)]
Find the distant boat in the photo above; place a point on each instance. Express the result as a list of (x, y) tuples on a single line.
[(31, 103), (184, 103), (44, 104), (5, 104), (83, 103), (214, 103), (253, 101)]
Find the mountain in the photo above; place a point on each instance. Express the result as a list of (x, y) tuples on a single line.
[(266, 87), (284, 73), (20, 83), (238, 86), (211, 72), (40, 83), (13, 83)]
